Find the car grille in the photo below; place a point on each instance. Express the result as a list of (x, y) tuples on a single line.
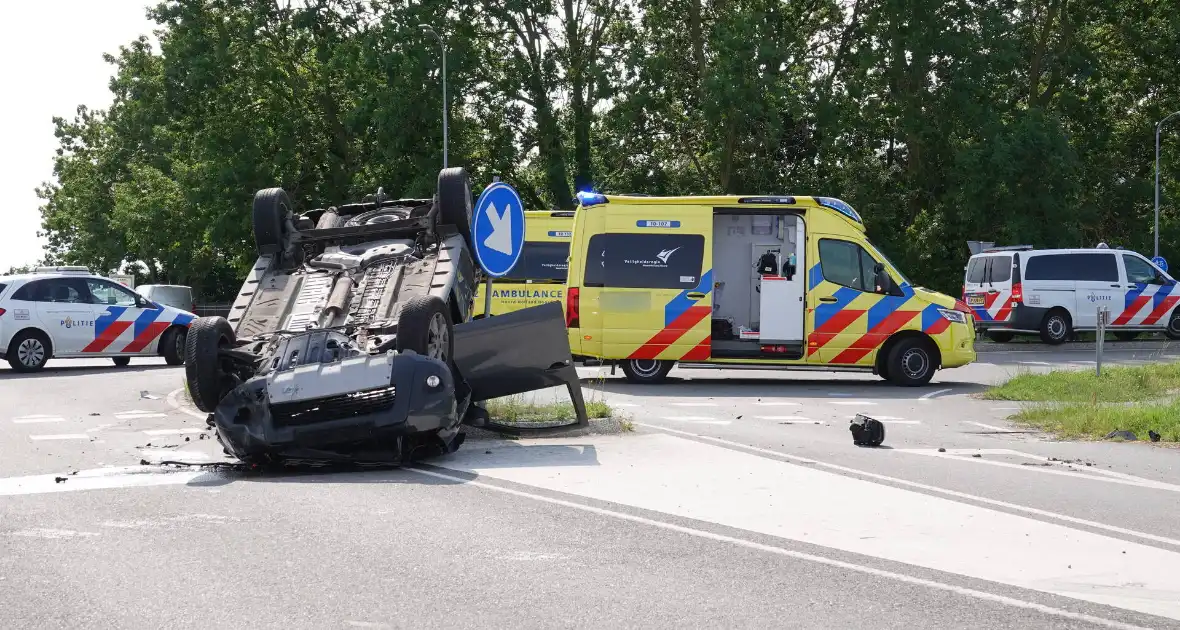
[(341, 407)]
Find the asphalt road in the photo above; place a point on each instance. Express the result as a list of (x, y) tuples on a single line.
[(738, 502)]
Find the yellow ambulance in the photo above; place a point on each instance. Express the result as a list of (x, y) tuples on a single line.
[(759, 281), (539, 274)]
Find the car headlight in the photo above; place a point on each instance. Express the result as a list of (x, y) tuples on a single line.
[(958, 317)]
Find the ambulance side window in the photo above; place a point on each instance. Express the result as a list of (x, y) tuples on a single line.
[(847, 264), (627, 260)]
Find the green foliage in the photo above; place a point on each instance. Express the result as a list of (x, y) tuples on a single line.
[(1116, 384), (1018, 121)]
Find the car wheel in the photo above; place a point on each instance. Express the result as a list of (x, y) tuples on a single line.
[(1056, 328), (1173, 330), (911, 362), (425, 327), (121, 361), (646, 370), (1126, 335), (172, 345), (207, 382), (1001, 336), (29, 351), (272, 207), (454, 200)]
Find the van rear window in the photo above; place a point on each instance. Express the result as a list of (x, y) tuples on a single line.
[(644, 261), (540, 260), (975, 270)]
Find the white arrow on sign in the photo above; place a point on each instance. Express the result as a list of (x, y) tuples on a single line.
[(501, 237)]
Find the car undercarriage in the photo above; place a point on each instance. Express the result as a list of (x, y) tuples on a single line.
[(351, 338)]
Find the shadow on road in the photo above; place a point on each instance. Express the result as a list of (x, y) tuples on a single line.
[(478, 453), (775, 387)]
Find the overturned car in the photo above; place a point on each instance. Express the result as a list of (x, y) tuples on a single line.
[(351, 338)]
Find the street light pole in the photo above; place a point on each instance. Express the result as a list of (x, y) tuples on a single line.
[(443, 45), (1157, 179)]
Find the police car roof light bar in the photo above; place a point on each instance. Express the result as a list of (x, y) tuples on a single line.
[(63, 269)]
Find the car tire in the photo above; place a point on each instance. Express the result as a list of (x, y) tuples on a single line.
[(172, 345), (207, 381), (1056, 328), (1126, 335), (425, 327), (454, 200), (911, 362), (646, 371), (121, 361), (29, 351), (1173, 330), (1001, 336), (272, 208)]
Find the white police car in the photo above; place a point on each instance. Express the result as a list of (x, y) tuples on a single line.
[(70, 313)]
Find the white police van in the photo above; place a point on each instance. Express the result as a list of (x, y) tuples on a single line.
[(1054, 292), (68, 312)]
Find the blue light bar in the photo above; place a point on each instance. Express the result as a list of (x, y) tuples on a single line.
[(591, 199), (839, 206)]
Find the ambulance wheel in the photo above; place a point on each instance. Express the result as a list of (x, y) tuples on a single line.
[(207, 381), (121, 361), (911, 362), (29, 351), (1001, 336), (1056, 328), (646, 371), (1173, 331)]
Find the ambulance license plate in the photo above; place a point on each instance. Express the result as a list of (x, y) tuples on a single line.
[(975, 299)]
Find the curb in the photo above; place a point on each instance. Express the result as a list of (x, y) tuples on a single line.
[(986, 347), (598, 426)]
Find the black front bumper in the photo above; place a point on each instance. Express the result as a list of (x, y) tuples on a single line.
[(382, 425)]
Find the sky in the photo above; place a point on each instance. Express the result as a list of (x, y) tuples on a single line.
[(50, 62)]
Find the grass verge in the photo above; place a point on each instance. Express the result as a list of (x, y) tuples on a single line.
[(1084, 420), (515, 410), (1117, 384)]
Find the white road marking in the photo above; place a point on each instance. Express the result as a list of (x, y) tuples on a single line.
[(873, 541), (1092, 473), (1005, 408), (59, 436), (159, 432), (173, 400), (51, 533), (157, 455), (921, 486), (840, 395), (990, 427), (139, 415), (776, 403), (1033, 363), (933, 394), (800, 418), (99, 478), (99, 428), (851, 402), (619, 404), (37, 419), (887, 418), (901, 421), (698, 420), (693, 404)]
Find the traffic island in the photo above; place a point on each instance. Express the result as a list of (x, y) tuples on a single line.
[(520, 412), (1140, 402)]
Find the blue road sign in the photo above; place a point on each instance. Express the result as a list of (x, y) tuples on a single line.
[(1161, 263), (497, 229)]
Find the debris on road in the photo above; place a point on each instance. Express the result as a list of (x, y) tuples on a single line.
[(1155, 437), (58, 479), (145, 395), (1122, 435), (95, 413), (941, 450), (866, 431)]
